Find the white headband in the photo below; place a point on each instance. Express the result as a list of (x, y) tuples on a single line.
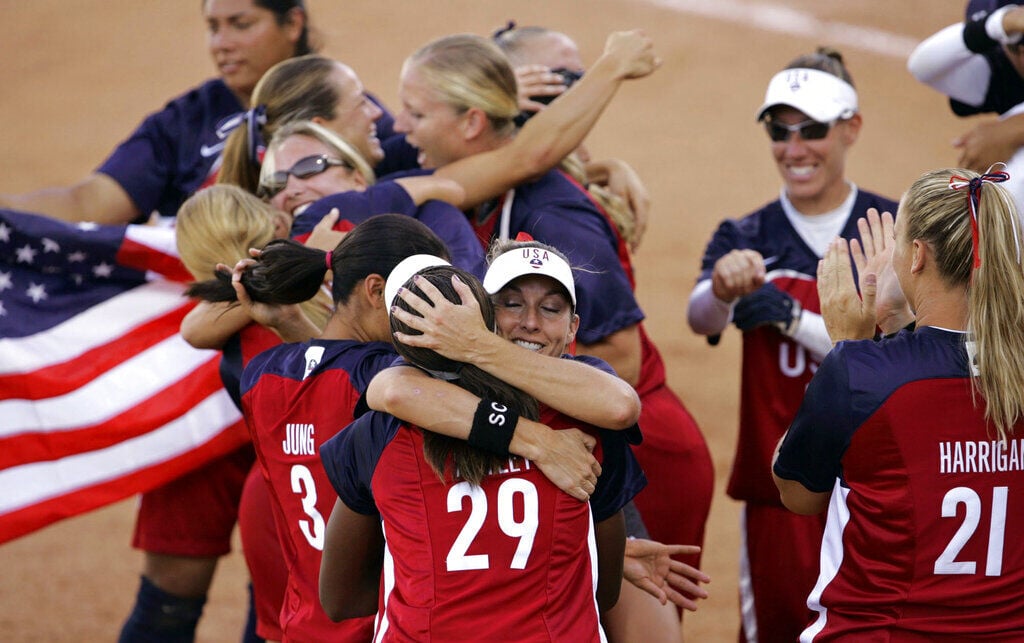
[(528, 260), (404, 271), (818, 94)]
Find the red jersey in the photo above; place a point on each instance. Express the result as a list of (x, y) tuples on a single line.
[(295, 397), (920, 542), (512, 559)]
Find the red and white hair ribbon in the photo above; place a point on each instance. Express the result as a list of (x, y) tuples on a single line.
[(957, 182)]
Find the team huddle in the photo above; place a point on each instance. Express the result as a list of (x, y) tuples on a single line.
[(460, 427)]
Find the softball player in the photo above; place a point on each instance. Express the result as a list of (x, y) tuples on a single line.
[(913, 444), (460, 582), (759, 273), (555, 210), (978, 65)]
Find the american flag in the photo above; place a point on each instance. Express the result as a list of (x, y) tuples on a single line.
[(100, 397)]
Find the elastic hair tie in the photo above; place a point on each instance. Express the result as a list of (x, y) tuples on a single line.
[(255, 119), (501, 31), (957, 182), (328, 258)]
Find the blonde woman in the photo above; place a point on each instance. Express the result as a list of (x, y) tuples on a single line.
[(913, 443)]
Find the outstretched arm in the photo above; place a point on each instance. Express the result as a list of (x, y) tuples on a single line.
[(97, 198), (557, 130)]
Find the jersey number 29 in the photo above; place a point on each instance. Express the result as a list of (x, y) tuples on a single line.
[(525, 530)]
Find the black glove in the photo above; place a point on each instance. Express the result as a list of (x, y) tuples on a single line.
[(766, 305)]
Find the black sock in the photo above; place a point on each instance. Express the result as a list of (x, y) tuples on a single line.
[(250, 635), (159, 617)]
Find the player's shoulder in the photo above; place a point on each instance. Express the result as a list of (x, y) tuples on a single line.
[(867, 199)]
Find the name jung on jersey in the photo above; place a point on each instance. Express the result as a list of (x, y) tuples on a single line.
[(299, 440)]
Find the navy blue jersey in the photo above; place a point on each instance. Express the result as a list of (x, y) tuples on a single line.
[(557, 211), (386, 197), (175, 150)]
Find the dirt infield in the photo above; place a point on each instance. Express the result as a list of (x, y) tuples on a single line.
[(77, 75)]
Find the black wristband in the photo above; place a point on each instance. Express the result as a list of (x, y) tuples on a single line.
[(493, 426), (976, 39)]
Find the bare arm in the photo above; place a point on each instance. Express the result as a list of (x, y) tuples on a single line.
[(557, 130), (212, 324), (611, 544), (796, 497), (351, 564), (409, 394), (576, 389), (97, 198)]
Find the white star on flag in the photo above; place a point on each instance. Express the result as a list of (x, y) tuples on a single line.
[(103, 269), (37, 292), (26, 254)]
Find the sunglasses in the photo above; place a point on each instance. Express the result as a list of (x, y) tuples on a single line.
[(303, 169), (808, 130)]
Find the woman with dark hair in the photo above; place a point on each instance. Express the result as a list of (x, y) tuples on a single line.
[(176, 150), (492, 564)]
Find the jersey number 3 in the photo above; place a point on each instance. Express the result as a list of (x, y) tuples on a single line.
[(525, 530), (947, 563)]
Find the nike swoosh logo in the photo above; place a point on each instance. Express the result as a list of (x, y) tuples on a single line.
[(211, 150)]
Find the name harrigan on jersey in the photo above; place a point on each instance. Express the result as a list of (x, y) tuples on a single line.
[(981, 457), (299, 439)]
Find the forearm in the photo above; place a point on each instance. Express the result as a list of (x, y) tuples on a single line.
[(211, 325), (413, 396), (811, 333), (98, 198), (707, 314), (574, 388), (542, 143), (944, 63)]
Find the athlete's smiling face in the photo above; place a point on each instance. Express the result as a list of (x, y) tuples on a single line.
[(534, 311), (429, 123), (298, 192), (246, 40), (814, 170), (356, 115)]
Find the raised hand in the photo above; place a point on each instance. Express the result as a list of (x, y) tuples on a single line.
[(634, 53), (846, 315)]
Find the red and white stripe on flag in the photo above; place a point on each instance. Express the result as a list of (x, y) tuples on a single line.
[(108, 403)]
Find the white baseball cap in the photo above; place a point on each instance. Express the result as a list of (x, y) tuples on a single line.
[(820, 95), (528, 260), (404, 271)]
